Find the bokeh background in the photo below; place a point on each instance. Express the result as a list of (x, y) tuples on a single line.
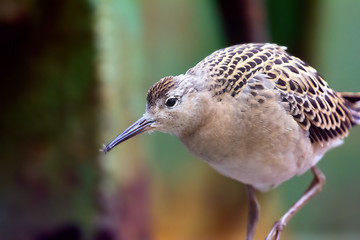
[(74, 74)]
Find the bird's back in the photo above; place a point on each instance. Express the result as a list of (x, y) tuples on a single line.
[(323, 112)]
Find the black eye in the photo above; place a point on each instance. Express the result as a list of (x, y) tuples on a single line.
[(170, 102)]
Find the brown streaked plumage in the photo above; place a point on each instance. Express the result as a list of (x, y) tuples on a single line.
[(316, 107), (159, 90), (238, 105)]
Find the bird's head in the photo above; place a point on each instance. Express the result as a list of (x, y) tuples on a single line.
[(175, 105)]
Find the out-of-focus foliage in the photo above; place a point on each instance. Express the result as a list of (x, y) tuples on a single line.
[(48, 172)]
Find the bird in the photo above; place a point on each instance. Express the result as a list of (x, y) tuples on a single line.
[(256, 114)]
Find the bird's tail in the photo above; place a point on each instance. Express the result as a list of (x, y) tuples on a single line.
[(353, 104)]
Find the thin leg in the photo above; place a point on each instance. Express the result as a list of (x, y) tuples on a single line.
[(314, 188), (253, 216)]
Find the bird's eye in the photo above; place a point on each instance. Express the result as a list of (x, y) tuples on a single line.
[(171, 102)]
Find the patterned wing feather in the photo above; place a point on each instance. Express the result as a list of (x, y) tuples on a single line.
[(316, 107)]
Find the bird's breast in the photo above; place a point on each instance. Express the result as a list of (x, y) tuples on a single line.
[(255, 143)]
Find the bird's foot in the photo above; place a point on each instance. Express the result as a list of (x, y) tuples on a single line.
[(276, 231)]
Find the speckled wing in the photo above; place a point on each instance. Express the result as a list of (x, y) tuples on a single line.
[(317, 108)]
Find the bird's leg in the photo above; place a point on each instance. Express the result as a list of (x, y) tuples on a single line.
[(253, 216), (314, 188)]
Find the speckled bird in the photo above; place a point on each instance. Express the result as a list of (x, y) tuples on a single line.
[(254, 113)]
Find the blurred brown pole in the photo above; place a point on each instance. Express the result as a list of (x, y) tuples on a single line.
[(244, 21)]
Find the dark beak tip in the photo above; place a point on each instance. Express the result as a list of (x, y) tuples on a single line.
[(103, 149)]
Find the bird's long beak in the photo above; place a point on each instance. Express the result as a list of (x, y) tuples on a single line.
[(140, 126)]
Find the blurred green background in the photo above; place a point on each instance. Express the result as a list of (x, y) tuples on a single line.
[(75, 74)]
